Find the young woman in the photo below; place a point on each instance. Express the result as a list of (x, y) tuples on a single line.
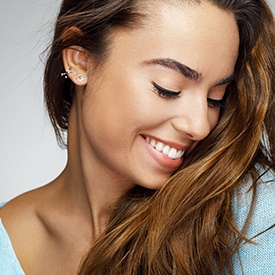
[(169, 109)]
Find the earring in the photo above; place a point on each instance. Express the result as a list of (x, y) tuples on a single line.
[(80, 78), (65, 75)]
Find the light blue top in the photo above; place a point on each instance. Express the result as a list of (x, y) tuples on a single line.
[(256, 259)]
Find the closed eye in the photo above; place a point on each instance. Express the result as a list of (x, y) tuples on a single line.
[(168, 94), (164, 93), (216, 103)]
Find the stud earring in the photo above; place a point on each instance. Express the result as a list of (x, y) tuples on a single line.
[(80, 78), (65, 75)]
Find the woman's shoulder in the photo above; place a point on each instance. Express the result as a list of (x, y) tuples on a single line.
[(257, 257), (20, 211), (27, 208), (9, 264), (22, 231), (263, 201)]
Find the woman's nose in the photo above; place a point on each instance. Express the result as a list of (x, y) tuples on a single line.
[(193, 120)]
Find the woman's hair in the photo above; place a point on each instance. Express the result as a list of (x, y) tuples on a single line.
[(186, 227)]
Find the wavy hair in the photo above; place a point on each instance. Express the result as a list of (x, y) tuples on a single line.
[(186, 227)]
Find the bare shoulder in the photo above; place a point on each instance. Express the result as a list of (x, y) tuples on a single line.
[(43, 226), (22, 213), (22, 221), (21, 210)]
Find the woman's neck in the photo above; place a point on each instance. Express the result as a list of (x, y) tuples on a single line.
[(98, 190)]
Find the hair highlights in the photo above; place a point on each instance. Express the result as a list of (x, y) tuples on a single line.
[(187, 227)]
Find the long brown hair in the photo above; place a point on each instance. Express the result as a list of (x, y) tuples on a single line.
[(186, 227)]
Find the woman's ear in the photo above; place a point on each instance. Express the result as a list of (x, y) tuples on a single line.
[(75, 60)]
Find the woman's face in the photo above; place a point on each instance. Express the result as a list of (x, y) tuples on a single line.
[(158, 93)]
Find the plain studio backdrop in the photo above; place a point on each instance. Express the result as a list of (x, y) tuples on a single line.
[(29, 154)]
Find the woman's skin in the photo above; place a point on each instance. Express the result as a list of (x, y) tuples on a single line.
[(115, 109)]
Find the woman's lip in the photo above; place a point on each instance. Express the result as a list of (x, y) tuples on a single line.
[(163, 160), (170, 143)]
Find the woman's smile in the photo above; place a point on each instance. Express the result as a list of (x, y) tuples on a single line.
[(164, 148), (166, 154)]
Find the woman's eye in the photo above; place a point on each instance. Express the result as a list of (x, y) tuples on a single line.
[(168, 94), (164, 93), (216, 103)]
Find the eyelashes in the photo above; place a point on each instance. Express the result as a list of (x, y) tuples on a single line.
[(216, 103), (164, 92), (168, 94)]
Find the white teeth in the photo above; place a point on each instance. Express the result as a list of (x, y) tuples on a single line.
[(153, 143), (171, 152), (159, 146), (180, 153), (166, 150)]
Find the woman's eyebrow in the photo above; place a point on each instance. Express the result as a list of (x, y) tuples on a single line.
[(184, 69), (174, 65)]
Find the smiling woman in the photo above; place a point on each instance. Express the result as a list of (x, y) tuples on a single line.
[(170, 156)]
